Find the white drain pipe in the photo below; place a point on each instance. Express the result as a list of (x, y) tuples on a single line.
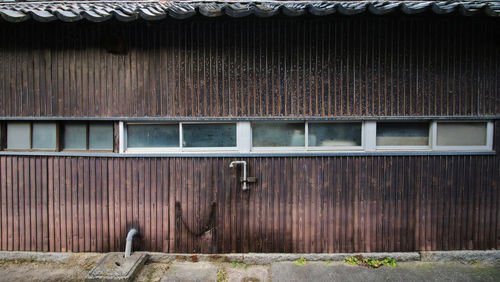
[(130, 236)]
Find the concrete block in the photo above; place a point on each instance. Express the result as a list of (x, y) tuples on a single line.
[(189, 271), (115, 267)]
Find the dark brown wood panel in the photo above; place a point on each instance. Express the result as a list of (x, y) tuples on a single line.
[(301, 67), (315, 204)]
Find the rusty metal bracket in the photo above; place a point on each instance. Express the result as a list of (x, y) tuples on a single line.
[(250, 179)]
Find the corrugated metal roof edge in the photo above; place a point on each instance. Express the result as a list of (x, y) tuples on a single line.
[(99, 11)]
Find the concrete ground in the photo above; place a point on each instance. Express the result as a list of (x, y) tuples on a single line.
[(405, 271), (74, 267)]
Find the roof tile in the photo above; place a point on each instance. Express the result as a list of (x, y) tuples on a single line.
[(99, 11)]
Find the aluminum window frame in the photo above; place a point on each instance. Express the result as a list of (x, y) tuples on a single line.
[(123, 146), (336, 148), (280, 149), (397, 148), (464, 148), (123, 127), (207, 149), (244, 139)]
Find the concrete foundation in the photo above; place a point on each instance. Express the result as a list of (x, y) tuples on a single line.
[(463, 256)]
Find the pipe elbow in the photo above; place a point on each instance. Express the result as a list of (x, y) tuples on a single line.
[(131, 234)]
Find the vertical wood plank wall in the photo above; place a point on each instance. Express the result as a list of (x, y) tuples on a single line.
[(326, 67), (332, 66), (316, 204)]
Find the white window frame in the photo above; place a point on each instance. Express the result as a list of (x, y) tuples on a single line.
[(336, 148), (282, 149), (145, 150), (489, 137), (152, 150), (370, 136), (207, 149), (244, 139), (244, 136), (405, 147)]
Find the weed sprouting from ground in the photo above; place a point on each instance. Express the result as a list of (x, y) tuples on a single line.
[(222, 276), (301, 261), (370, 262), (474, 262), (238, 264)]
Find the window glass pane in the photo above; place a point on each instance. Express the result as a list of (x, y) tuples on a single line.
[(334, 134), (18, 135), (278, 135), (152, 135), (402, 134), (100, 136), (44, 136), (209, 135), (75, 136), (461, 134)]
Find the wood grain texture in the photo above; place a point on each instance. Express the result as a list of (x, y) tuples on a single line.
[(359, 66), (299, 204), (301, 67)]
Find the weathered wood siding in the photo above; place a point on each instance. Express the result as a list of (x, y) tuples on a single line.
[(333, 66), (324, 67), (317, 204)]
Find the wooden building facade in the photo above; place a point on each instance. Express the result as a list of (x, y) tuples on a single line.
[(289, 68)]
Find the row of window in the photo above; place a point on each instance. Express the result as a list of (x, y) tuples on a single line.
[(55, 136), (309, 136), (249, 136)]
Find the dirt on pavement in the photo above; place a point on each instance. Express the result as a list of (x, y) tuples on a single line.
[(74, 268)]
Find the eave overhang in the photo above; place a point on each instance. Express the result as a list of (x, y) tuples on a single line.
[(126, 11)]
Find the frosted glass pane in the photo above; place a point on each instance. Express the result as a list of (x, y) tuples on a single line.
[(402, 134), (18, 135), (75, 136), (461, 134), (153, 135), (44, 136), (209, 135), (334, 134), (278, 135), (100, 136)]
